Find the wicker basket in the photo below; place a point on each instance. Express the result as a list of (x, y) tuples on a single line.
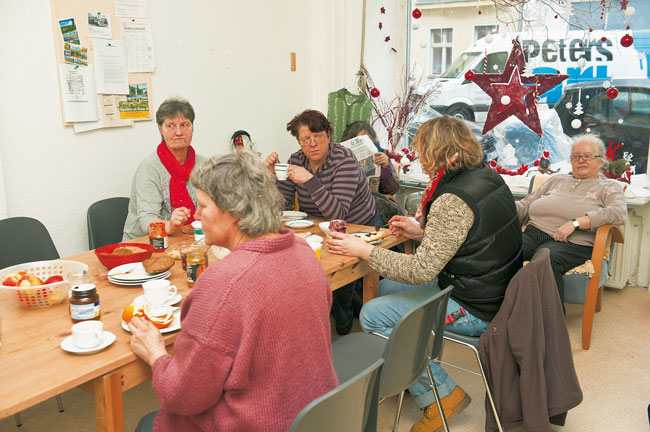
[(42, 295)]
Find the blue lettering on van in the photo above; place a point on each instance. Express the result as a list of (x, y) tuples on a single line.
[(555, 50), (575, 75)]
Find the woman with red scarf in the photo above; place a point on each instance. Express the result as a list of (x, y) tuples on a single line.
[(161, 188), (470, 238)]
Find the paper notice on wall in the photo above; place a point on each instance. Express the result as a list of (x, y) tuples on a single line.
[(132, 8), (99, 25), (137, 35), (111, 67), (79, 95), (136, 105), (109, 115)]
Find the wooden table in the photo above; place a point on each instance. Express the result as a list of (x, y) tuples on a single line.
[(34, 368)]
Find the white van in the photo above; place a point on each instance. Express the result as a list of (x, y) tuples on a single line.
[(605, 59)]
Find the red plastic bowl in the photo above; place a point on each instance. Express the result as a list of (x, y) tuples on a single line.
[(104, 254)]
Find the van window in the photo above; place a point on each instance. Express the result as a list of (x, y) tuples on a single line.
[(595, 105), (639, 107), (496, 62), (460, 65)]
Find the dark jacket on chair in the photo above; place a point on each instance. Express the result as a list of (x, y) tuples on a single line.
[(526, 353), (491, 254)]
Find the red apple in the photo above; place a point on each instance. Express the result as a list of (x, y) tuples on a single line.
[(29, 280), (53, 279), (12, 279)]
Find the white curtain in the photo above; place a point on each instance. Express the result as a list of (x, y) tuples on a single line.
[(3, 193)]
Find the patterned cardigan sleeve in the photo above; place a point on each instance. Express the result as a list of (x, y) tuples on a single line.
[(449, 221)]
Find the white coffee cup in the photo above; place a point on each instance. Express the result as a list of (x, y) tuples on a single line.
[(198, 230), (158, 291), (88, 334), (281, 171)]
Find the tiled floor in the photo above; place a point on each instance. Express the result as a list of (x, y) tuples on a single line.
[(614, 375)]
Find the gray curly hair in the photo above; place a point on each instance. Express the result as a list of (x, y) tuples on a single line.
[(240, 184)]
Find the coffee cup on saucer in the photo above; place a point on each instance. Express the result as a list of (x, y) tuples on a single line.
[(87, 334), (281, 171), (158, 291)]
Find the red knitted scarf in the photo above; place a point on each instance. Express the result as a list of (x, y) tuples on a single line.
[(178, 194), (428, 194)]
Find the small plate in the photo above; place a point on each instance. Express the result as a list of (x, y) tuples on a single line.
[(68, 345), (172, 300), (374, 242), (175, 325), (164, 275), (293, 214), (299, 223)]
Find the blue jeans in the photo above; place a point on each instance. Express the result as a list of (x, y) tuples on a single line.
[(381, 314)]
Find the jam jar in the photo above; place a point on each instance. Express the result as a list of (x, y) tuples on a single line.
[(84, 303)]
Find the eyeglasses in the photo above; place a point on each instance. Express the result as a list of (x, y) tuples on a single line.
[(315, 138), (587, 157), (171, 127)]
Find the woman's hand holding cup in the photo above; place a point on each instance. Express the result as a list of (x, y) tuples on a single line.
[(270, 161)]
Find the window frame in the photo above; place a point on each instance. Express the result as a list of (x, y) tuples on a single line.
[(444, 61)]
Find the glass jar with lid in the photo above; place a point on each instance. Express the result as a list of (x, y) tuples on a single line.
[(84, 303)]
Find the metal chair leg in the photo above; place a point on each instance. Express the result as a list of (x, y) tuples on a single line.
[(19, 423), (399, 410), (59, 402), (487, 387), (438, 401)]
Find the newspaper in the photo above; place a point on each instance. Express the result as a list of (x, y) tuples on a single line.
[(364, 149)]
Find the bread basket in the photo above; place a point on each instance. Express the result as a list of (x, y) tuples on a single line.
[(42, 295)]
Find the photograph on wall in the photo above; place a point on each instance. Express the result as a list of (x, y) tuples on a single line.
[(75, 54), (99, 25), (137, 102), (69, 31)]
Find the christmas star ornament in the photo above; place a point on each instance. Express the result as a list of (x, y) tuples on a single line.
[(522, 91)]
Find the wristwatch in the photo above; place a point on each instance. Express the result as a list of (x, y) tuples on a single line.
[(576, 224)]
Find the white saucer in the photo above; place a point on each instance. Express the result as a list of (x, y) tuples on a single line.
[(141, 300), (68, 345), (299, 223), (175, 325), (293, 214)]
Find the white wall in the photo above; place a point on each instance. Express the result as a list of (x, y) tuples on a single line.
[(229, 59)]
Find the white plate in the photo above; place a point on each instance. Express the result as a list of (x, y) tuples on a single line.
[(137, 272), (138, 282), (141, 300), (175, 325), (293, 214), (68, 345), (299, 223)]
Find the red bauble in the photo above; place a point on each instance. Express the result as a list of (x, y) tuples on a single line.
[(612, 92), (479, 12), (603, 38), (374, 92), (417, 13), (469, 75), (627, 40)]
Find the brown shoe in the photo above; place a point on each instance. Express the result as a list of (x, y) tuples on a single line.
[(453, 403)]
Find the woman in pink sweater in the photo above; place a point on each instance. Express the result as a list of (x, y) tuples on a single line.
[(254, 348)]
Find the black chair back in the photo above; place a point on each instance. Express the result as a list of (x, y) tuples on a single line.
[(106, 221), (24, 239)]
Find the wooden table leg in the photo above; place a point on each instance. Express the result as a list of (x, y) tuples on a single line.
[(408, 247), (109, 411), (370, 286)]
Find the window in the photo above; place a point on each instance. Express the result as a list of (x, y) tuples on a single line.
[(480, 31), (495, 63), (442, 40)]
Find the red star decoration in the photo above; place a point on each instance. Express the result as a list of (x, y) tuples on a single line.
[(382, 10), (380, 26), (387, 39), (624, 4), (522, 90)]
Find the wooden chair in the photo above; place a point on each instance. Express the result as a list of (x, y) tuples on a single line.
[(582, 286)]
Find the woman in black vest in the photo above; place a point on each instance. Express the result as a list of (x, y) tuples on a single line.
[(470, 238)]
